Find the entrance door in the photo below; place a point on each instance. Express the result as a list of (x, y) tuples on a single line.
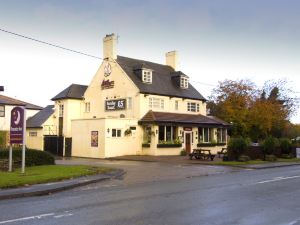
[(188, 142)]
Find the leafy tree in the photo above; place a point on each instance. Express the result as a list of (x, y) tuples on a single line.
[(253, 112), (230, 101)]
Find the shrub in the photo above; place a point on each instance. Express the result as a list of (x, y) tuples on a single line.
[(236, 147), (285, 145), (183, 153), (32, 158), (3, 139), (271, 158), (244, 158), (269, 145)]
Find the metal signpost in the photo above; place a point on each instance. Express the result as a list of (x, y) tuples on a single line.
[(17, 133)]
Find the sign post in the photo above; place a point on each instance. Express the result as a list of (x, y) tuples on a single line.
[(17, 133)]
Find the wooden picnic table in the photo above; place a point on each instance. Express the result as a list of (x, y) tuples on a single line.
[(200, 153)]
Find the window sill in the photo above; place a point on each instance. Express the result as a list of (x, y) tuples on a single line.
[(146, 145)]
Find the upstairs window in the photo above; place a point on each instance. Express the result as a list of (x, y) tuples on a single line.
[(184, 82), (176, 105), (147, 76), (61, 111), (87, 108), (129, 103), (192, 107), (156, 103), (2, 110)]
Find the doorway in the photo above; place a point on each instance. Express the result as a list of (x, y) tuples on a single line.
[(188, 142)]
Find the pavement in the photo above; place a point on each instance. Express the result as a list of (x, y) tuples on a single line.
[(139, 169)]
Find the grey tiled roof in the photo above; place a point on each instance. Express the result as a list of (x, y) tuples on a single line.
[(74, 91), (181, 119), (5, 100), (38, 119), (162, 83)]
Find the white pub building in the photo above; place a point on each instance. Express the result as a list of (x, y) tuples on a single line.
[(132, 107)]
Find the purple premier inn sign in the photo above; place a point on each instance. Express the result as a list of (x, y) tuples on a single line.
[(17, 125)]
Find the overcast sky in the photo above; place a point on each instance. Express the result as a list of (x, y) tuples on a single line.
[(216, 40)]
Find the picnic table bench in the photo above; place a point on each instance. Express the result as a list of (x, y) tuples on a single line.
[(222, 152), (202, 154)]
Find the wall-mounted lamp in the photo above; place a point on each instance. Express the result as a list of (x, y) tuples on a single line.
[(108, 130), (156, 131)]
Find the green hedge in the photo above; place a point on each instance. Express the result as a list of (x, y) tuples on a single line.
[(3, 135), (169, 145), (33, 157), (210, 144)]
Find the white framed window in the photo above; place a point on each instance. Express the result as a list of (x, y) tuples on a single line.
[(116, 132), (61, 111), (176, 105), (147, 76), (33, 133), (204, 134), (129, 103), (193, 107), (2, 111), (156, 103), (184, 82), (221, 135), (167, 133), (87, 107)]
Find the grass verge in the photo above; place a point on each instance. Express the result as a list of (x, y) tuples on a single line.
[(45, 174), (253, 162), (236, 163)]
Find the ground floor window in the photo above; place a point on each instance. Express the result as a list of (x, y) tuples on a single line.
[(205, 134), (167, 133), (221, 135), (2, 110), (116, 132), (147, 134)]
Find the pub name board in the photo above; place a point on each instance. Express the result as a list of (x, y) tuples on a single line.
[(118, 104)]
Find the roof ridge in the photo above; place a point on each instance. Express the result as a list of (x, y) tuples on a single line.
[(145, 61), (20, 101)]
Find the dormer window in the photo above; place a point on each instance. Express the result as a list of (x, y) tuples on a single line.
[(147, 76), (184, 82)]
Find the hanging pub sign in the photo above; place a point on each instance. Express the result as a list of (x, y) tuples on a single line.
[(17, 125), (118, 104)]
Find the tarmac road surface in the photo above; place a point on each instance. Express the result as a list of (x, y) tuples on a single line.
[(267, 197)]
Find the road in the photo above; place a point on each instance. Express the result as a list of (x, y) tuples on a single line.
[(269, 196)]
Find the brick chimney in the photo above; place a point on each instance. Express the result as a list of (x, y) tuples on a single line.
[(110, 46), (172, 59)]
